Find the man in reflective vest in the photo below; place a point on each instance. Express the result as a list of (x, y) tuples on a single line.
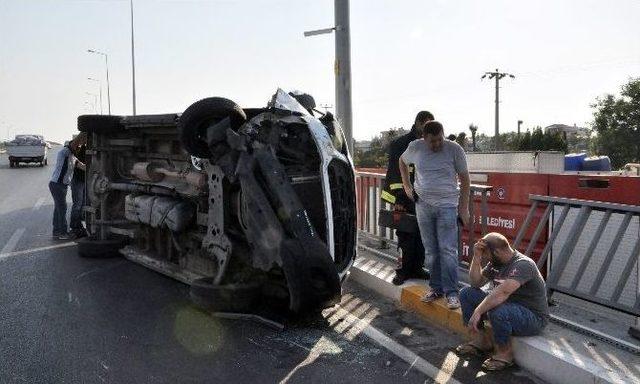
[(411, 257)]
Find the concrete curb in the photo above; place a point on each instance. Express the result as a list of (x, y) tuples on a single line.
[(539, 355)]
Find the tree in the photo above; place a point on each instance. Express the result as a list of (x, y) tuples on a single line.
[(617, 124), (473, 128), (377, 154)]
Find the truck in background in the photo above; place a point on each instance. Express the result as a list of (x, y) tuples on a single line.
[(27, 149)]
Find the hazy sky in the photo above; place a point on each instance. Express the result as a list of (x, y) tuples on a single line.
[(406, 56)]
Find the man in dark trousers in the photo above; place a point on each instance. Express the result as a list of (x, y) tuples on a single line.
[(411, 258), (78, 195)]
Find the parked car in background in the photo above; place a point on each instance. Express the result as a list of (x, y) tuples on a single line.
[(27, 149)]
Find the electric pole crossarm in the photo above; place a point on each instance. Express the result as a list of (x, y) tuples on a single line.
[(497, 75)]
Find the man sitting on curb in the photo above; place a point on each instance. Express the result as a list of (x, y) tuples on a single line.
[(516, 304)]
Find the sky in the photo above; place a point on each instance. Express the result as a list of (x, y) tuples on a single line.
[(407, 55)]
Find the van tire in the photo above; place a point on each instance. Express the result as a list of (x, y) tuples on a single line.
[(101, 124), (199, 116)]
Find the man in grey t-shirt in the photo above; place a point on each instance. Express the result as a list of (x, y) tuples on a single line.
[(516, 304), (439, 164)]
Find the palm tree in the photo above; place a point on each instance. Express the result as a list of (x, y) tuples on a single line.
[(473, 128)]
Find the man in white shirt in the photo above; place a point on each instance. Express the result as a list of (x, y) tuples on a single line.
[(66, 162), (439, 164)]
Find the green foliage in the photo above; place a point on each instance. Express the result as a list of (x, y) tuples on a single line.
[(617, 124), (377, 155)]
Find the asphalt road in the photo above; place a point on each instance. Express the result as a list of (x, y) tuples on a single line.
[(64, 319)]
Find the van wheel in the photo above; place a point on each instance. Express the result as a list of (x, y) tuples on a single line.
[(101, 124), (92, 248), (195, 121)]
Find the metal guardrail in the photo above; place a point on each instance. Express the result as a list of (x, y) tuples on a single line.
[(560, 262), (369, 190)]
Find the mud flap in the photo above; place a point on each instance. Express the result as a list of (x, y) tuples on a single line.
[(312, 277)]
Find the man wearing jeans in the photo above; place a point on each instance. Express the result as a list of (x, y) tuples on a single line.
[(66, 162), (516, 304), (439, 164)]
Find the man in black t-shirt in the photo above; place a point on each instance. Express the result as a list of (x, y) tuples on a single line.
[(412, 254), (78, 195)]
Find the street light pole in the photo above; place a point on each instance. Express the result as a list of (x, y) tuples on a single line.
[(342, 66), (100, 86), (133, 62), (106, 64), (95, 101), (343, 69), (497, 75)]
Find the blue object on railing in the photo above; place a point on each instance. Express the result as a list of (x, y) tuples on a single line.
[(597, 163), (573, 161)]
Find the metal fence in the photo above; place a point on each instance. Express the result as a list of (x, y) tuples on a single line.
[(566, 270), (369, 189)]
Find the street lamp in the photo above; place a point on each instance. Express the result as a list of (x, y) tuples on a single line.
[(95, 101), (100, 86), (106, 64)]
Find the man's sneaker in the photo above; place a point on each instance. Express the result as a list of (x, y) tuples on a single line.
[(430, 296), (398, 279), (453, 302), (66, 236)]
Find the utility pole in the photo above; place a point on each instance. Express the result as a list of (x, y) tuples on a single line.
[(497, 75), (519, 124), (342, 66), (133, 63), (343, 69)]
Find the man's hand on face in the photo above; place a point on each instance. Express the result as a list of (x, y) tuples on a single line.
[(479, 249)]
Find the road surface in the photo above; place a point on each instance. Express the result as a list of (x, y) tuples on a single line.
[(64, 319)]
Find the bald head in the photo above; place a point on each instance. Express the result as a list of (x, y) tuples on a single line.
[(497, 249), (497, 241)]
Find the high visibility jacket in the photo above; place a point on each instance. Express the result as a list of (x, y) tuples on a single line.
[(393, 192)]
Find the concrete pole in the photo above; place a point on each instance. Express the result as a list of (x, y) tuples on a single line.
[(106, 64), (497, 135), (343, 69), (133, 63)]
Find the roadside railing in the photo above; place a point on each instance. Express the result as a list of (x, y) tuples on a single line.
[(369, 189), (582, 266)]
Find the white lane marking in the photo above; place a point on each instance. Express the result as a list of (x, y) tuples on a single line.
[(401, 351), (13, 241), (38, 204), (4, 255)]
